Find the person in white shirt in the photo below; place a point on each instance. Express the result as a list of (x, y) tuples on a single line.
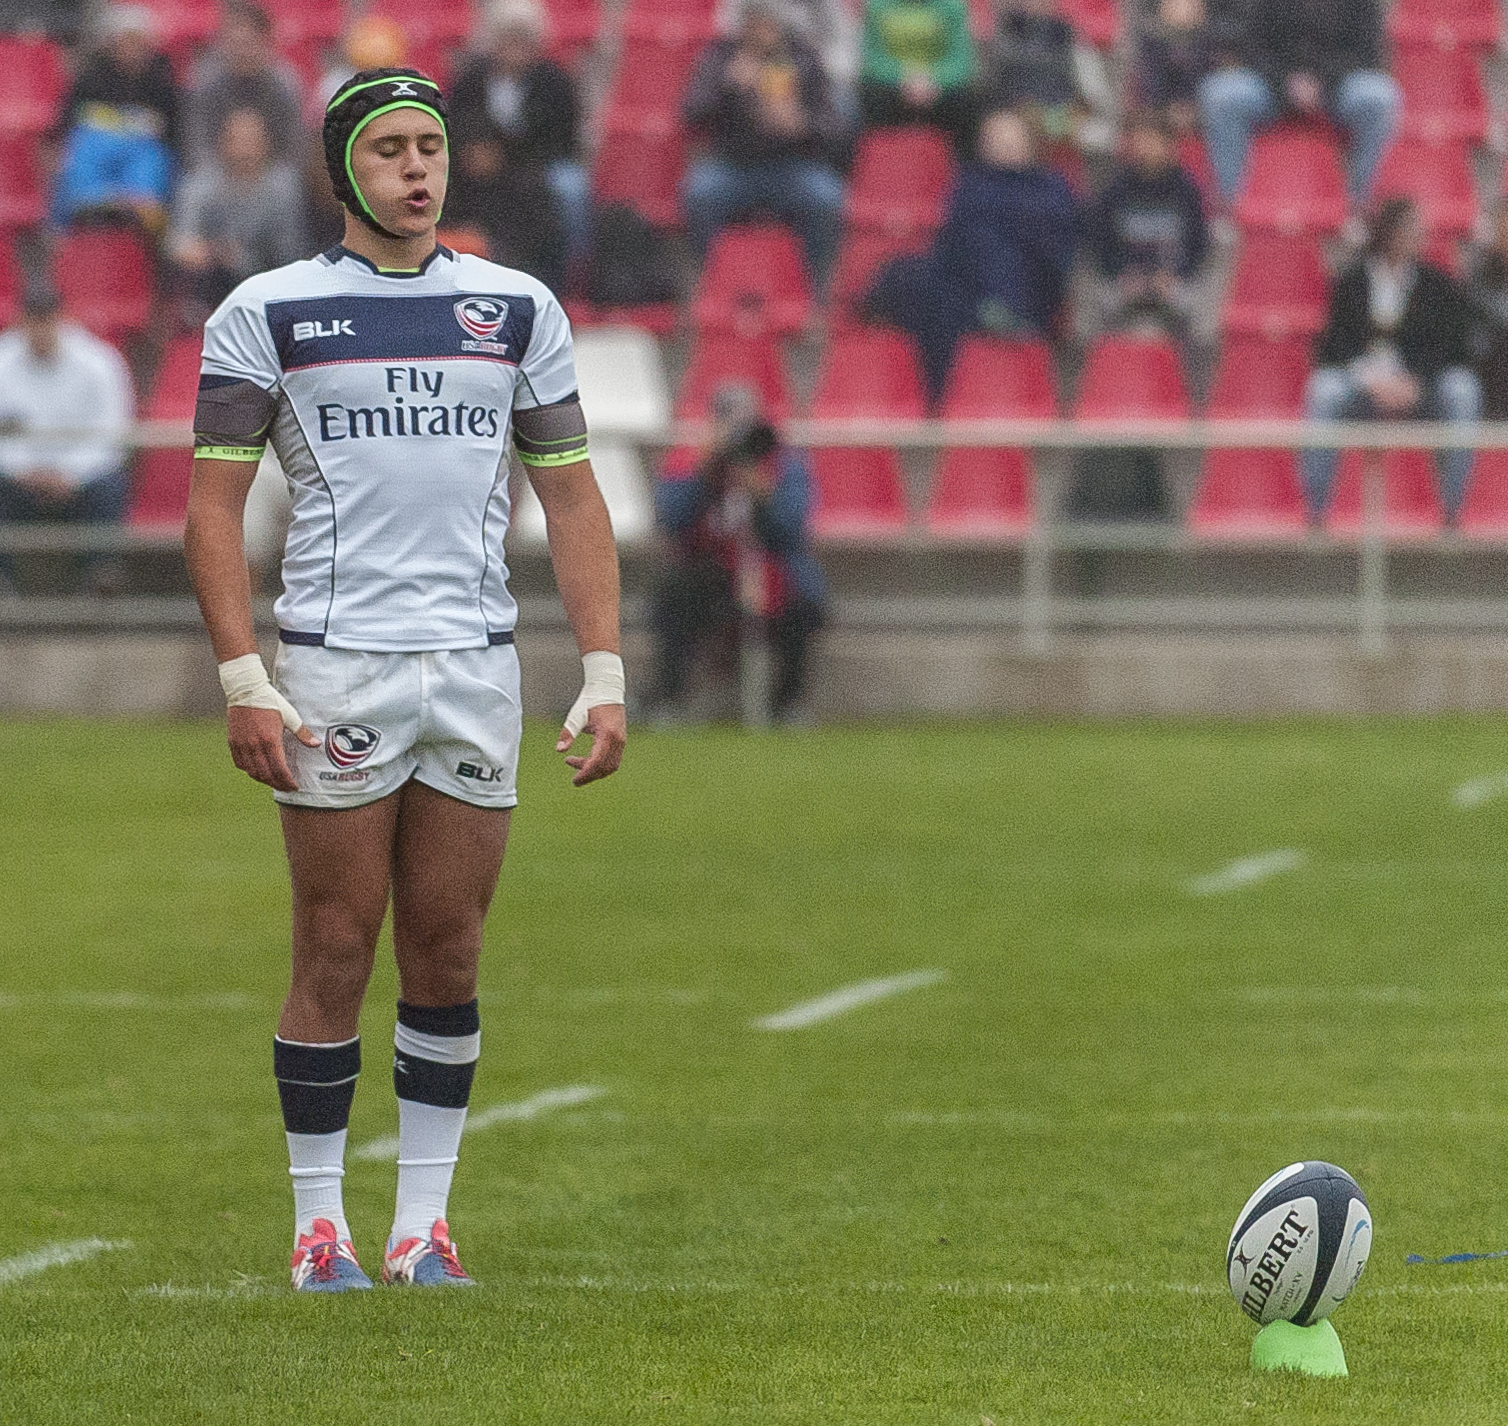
[(388, 375), (56, 375)]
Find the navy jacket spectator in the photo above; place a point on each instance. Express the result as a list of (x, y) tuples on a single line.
[(1433, 335), (537, 118), (728, 115), (1149, 222)]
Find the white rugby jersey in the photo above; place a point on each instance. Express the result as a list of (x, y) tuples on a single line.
[(393, 395)]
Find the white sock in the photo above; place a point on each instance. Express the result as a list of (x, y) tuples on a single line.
[(317, 1165), (429, 1140)]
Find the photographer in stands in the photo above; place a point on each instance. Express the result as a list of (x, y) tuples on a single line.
[(736, 517)]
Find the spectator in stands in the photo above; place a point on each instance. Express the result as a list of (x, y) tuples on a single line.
[(1309, 58), (1175, 51), (122, 118), (510, 204), (1396, 345), (1147, 233), (831, 28), (529, 104), (240, 214), (918, 66), (762, 102), (737, 523), (1489, 299), (244, 71), (1000, 262), (55, 374), (1033, 59), (371, 42)]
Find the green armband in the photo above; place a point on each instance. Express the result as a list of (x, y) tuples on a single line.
[(244, 453)]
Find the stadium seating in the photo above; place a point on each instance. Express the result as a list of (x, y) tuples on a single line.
[(106, 282), (10, 283), (1195, 158), (1279, 286), (436, 30), (1098, 22), (866, 373), (861, 255), (159, 493), (1443, 98), (1133, 377), (754, 281), (1445, 24), (719, 357), (574, 27), (652, 78), (640, 163), (1484, 516), (981, 493), (1438, 178), (1254, 494), (183, 28), (900, 180), (1294, 181), (1411, 507), (36, 73), (23, 188)]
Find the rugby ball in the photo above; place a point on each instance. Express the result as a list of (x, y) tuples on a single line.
[(1299, 1245)]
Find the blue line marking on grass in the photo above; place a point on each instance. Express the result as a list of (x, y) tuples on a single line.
[(848, 997), (1247, 871), (1452, 1258)]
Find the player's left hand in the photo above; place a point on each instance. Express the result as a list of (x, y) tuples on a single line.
[(608, 725)]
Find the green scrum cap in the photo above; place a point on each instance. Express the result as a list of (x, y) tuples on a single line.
[(355, 104)]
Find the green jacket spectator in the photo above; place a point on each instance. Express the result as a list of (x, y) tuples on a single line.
[(918, 65)]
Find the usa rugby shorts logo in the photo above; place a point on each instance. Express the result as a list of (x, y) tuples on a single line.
[(482, 317), (349, 745)]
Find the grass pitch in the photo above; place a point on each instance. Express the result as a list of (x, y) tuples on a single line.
[(1005, 1195)]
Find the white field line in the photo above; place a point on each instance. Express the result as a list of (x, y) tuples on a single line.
[(849, 997), (54, 1255), (1479, 790), (129, 1000), (1247, 871), (386, 1148)]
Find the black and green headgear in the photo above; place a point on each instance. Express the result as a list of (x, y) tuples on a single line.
[(355, 104)]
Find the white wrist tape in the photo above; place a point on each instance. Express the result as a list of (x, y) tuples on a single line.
[(246, 685), (603, 674)]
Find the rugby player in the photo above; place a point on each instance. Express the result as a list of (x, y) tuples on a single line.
[(387, 374)]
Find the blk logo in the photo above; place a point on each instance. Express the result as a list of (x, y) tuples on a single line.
[(307, 331), (349, 745)]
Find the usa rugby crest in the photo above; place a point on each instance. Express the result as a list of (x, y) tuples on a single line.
[(349, 745), (481, 317)]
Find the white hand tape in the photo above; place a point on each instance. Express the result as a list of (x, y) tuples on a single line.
[(603, 674), (246, 685)]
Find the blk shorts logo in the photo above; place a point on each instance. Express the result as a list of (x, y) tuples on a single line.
[(481, 317), (348, 745)]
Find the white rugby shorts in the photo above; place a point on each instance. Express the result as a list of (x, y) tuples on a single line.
[(452, 719)]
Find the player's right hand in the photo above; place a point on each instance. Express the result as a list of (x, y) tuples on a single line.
[(256, 745)]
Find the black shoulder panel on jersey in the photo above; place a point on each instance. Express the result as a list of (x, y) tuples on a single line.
[(231, 411)]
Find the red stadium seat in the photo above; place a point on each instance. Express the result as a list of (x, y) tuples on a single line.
[(184, 27), (874, 373), (987, 493), (900, 180), (1411, 506), (1194, 158), (754, 281), (1097, 21), (1279, 286), (1294, 181), (1484, 516), (303, 28), (1438, 178), (652, 78), (23, 189), (435, 30), (1254, 494), (1445, 24), (36, 84), (1133, 377), (159, 494), (574, 27), (721, 357), (640, 163), (1443, 98), (861, 255), (10, 283), (106, 282)]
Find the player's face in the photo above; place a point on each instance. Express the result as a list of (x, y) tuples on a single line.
[(401, 166)]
